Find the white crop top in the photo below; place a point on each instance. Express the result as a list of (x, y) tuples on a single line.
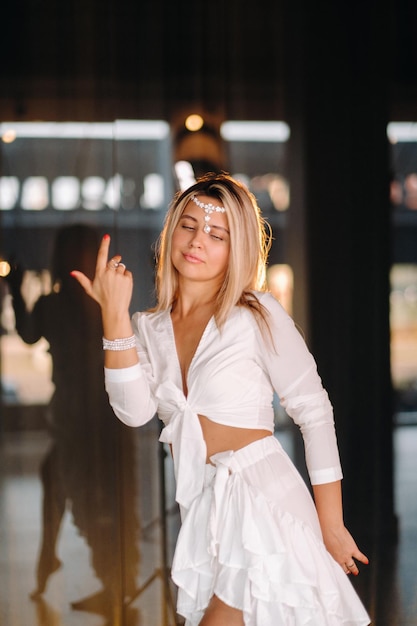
[(231, 381)]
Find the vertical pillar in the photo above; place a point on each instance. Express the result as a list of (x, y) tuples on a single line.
[(339, 236)]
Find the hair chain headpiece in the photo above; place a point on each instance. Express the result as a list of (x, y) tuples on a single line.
[(208, 209)]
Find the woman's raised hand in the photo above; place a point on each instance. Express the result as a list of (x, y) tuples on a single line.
[(112, 284), (112, 287)]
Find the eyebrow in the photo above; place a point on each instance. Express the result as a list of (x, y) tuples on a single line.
[(190, 217)]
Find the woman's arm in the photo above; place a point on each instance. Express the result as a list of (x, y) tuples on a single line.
[(125, 380), (294, 375), (337, 539)]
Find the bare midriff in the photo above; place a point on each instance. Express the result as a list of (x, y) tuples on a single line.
[(219, 438)]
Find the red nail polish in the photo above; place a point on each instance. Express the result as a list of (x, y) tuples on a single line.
[(106, 236)]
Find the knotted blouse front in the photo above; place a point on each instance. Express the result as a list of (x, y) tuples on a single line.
[(231, 380)]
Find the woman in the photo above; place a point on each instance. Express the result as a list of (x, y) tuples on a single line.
[(252, 547)]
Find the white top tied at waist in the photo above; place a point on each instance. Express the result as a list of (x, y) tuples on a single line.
[(183, 433)]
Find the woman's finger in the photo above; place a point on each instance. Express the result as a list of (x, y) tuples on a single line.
[(115, 263), (351, 568), (103, 254), (360, 556)]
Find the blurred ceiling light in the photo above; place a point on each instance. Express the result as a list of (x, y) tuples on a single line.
[(255, 131), (194, 122), (9, 135), (141, 129), (402, 132), (120, 130)]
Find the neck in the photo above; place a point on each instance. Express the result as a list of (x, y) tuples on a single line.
[(190, 298)]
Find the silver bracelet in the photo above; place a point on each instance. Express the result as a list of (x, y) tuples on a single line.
[(119, 344)]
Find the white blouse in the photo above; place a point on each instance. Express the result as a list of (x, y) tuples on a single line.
[(231, 381)]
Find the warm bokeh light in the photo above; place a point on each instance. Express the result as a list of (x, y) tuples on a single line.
[(279, 192), (410, 186), (396, 192), (8, 136), (194, 122), (280, 279), (4, 268), (403, 321)]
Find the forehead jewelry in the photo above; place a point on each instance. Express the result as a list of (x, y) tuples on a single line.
[(208, 209)]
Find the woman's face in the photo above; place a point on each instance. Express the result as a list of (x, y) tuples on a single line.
[(198, 255)]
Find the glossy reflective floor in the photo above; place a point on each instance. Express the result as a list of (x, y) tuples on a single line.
[(21, 454), (74, 594)]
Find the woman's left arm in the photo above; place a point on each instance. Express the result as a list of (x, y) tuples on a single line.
[(294, 376), (337, 539)]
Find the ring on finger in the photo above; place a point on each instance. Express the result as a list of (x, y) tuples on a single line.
[(112, 264)]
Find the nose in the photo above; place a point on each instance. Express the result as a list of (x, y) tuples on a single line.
[(196, 241)]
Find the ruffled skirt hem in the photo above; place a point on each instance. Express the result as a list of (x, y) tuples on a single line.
[(240, 545)]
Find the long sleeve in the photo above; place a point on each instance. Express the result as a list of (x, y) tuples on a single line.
[(131, 389), (130, 395), (294, 376)]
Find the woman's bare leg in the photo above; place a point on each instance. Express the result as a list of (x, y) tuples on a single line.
[(220, 614)]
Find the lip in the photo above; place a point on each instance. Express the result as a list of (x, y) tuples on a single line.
[(192, 259)]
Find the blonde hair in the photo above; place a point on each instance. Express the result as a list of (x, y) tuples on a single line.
[(250, 241)]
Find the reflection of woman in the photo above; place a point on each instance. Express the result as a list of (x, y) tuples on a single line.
[(252, 547), (81, 467)]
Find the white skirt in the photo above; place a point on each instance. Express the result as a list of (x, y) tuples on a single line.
[(252, 538)]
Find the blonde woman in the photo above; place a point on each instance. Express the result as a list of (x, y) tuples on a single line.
[(254, 548)]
